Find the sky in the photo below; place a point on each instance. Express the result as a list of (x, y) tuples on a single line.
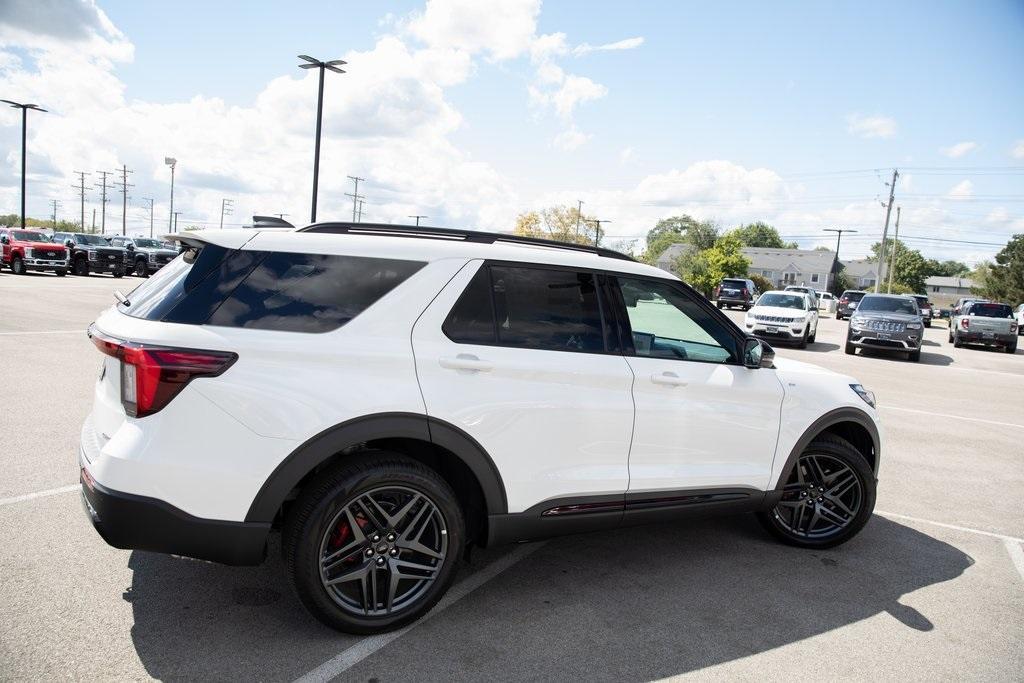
[(471, 112)]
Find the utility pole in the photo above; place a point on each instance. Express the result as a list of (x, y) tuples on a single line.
[(579, 213), (55, 203), (226, 207), (329, 66), (418, 217), (359, 218), (895, 245), (597, 230), (93, 221), (103, 200), (839, 236), (124, 184), (355, 195), (24, 134), (150, 200), (175, 223), (282, 215), (885, 230), (81, 192)]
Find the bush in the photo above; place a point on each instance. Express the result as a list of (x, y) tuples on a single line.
[(762, 283)]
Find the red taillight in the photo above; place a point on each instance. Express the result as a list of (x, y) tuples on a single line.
[(153, 375), (965, 323)]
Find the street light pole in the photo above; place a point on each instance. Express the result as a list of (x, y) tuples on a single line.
[(332, 66), (172, 162), (24, 134)]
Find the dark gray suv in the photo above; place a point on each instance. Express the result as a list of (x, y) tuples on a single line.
[(886, 321)]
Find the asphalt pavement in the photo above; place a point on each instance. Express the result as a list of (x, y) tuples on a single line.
[(932, 589)]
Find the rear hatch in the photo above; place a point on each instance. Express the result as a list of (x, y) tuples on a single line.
[(732, 289), (990, 319)]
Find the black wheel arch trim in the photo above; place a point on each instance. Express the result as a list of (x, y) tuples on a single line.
[(333, 440), (830, 419)]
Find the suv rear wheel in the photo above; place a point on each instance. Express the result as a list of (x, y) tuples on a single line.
[(374, 542), (827, 499)]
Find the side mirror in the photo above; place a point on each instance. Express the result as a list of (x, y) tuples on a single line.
[(757, 354), (69, 243), (3, 239), (130, 247)]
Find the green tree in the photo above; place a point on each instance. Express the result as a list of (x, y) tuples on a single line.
[(559, 223), (704, 269), (676, 229), (760, 234), (910, 268), (762, 283), (1004, 280), (947, 268)]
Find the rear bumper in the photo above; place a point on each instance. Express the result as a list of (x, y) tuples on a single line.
[(135, 522), (981, 338), (727, 301)]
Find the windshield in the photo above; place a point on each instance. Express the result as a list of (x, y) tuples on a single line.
[(91, 239), (151, 244), (921, 300), (990, 310), (886, 304), (797, 301), (30, 236)]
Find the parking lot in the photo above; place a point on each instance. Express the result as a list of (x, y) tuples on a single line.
[(932, 589)]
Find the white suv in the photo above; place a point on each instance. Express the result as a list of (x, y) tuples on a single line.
[(385, 396)]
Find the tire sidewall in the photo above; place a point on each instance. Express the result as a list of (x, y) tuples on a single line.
[(336, 491), (17, 266)]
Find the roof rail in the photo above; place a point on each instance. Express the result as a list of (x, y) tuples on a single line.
[(475, 236)]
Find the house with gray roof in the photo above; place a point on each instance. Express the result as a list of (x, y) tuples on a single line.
[(667, 260), (807, 267), (863, 273)]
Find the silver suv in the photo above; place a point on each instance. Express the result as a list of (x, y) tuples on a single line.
[(886, 321)]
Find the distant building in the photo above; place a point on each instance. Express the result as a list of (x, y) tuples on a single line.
[(863, 273), (667, 260), (807, 267), (945, 290)]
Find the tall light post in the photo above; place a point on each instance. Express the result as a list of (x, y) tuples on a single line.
[(24, 131), (172, 162), (330, 66)]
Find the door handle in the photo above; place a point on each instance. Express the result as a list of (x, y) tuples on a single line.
[(670, 379), (466, 361)]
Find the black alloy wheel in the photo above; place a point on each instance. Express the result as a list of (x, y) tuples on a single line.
[(374, 542), (827, 498), (81, 266), (141, 268)]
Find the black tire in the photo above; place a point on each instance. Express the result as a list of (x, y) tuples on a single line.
[(18, 266), (914, 356), (850, 348), (834, 457), (81, 266), (61, 272), (839, 317), (1011, 348), (956, 340), (141, 268), (927, 323), (316, 513), (802, 344), (720, 305), (118, 272), (813, 336)]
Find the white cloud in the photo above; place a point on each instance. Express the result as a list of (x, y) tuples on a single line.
[(1017, 152), (626, 44), (504, 30), (961, 190), (870, 126), (627, 155), (570, 139), (959, 149)]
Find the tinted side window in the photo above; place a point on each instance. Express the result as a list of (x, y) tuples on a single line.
[(309, 292), (471, 320), (542, 308)]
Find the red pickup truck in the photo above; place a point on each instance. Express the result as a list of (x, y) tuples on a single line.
[(25, 250)]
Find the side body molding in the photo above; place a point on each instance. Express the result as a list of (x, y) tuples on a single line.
[(336, 439)]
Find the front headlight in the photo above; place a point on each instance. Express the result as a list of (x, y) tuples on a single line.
[(913, 326), (868, 396)]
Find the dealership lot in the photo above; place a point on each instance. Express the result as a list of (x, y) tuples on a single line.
[(933, 588)]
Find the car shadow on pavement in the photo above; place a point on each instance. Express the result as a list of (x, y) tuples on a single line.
[(927, 357), (630, 604), (822, 346)]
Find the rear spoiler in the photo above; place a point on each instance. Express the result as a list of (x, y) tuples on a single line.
[(270, 222)]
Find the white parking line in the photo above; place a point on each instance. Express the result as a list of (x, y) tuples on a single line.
[(968, 529), (953, 417), (38, 494), (1016, 555), (366, 647), (12, 334)]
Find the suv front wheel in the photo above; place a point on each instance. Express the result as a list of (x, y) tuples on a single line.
[(373, 543), (827, 499)]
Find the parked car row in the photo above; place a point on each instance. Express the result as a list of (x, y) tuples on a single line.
[(82, 253)]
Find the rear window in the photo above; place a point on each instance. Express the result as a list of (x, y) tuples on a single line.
[(990, 310), (734, 283), (853, 296), (281, 291)]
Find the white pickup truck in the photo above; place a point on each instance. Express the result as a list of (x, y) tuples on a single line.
[(984, 322)]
